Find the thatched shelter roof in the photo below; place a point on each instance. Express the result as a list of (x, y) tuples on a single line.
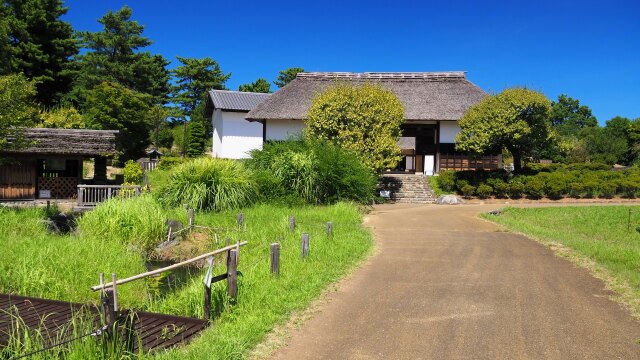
[(69, 142), (425, 95)]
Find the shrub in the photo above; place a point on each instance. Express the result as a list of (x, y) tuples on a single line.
[(555, 186), (500, 188), (484, 191), (169, 162), (316, 172), (607, 189), (628, 188), (576, 189), (209, 184), (591, 189), (137, 221), (534, 188), (447, 180), (516, 188), (132, 173), (468, 190)]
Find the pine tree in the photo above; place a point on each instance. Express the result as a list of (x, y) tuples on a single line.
[(196, 139)]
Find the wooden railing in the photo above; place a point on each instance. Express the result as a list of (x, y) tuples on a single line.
[(91, 195), (464, 162), (148, 165)]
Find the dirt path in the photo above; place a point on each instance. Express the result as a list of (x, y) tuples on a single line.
[(447, 285)]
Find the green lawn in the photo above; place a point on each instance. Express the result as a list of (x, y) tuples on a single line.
[(36, 263), (602, 234)]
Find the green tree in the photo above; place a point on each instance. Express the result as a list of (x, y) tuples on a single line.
[(516, 119), (65, 117), (259, 86), (193, 80), (365, 119), (285, 76), (601, 145), (17, 110), (36, 42), (634, 137), (196, 139), (568, 117), (111, 106), (158, 116), (114, 55)]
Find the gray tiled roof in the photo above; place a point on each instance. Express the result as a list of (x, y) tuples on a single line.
[(236, 100), (425, 95)]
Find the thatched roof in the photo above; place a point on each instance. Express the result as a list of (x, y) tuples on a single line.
[(425, 95), (69, 142)]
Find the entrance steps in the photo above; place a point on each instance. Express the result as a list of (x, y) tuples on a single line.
[(408, 188)]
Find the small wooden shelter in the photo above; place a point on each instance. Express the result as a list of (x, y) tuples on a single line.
[(51, 166)]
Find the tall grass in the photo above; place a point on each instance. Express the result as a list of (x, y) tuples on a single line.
[(138, 221), (209, 184)]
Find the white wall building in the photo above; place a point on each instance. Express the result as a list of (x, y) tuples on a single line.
[(233, 136)]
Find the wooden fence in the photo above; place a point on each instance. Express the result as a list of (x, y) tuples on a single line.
[(91, 195), (463, 162), (148, 165)]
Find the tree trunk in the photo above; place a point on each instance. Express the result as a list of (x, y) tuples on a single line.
[(517, 162)]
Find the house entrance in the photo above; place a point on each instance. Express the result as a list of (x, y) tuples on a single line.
[(418, 144)]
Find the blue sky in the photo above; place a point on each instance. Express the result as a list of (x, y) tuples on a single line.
[(589, 50)]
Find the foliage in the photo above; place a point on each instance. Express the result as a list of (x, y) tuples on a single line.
[(196, 139), (468, 190), (111, 106), (132, 173), (16, 109), (515, 119), (363, 119), (259, 86), (568, 117), (169, 162), (447, 180), (138, 221), (209, 184), (484, 191), (316, 172), (285, 76), (599, 233), (114, 55), (194, 78), (161, 136), (64, 117), (39, 44)]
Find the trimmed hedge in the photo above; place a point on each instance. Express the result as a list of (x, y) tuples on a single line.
[(554, 181)]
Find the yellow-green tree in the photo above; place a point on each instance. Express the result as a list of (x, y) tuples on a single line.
[(516, 119), (365, 119), (65, 117)]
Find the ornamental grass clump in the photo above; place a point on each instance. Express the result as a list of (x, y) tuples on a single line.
[(208, 184)]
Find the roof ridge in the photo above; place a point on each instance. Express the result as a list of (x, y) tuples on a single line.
[(385, 75), (237, 92)]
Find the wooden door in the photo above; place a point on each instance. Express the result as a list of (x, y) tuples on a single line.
[(17, 181)]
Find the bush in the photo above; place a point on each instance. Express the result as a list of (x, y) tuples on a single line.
[(137, 221), (316, 172), (484, 191), (607, 189), (468, 190), (556, 186), (169, 162), (447, 180), (500, 188), (534, 188), (209, 184), (628, 188), (576, 189), (591, 189), (516, 188), (132, 173)]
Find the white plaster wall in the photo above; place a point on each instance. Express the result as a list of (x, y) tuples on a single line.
[(448, 131), (234, 137), (283, 129)]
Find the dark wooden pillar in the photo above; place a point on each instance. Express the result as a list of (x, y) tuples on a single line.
[(100, 170)]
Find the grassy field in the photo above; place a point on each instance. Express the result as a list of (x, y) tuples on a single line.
[(36, 263), (605, 235)]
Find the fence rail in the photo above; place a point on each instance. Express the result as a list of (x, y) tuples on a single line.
[(464, 162), (148, 165), (91, 195)]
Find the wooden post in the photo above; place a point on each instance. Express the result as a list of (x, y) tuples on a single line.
[(232, 275), (240, 219), (106, 298), (80, 196), (275, 258), (329, 228), (292, 223), (304, 242), (207, 302), (115, 293), (145, 180), (191, 216)]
